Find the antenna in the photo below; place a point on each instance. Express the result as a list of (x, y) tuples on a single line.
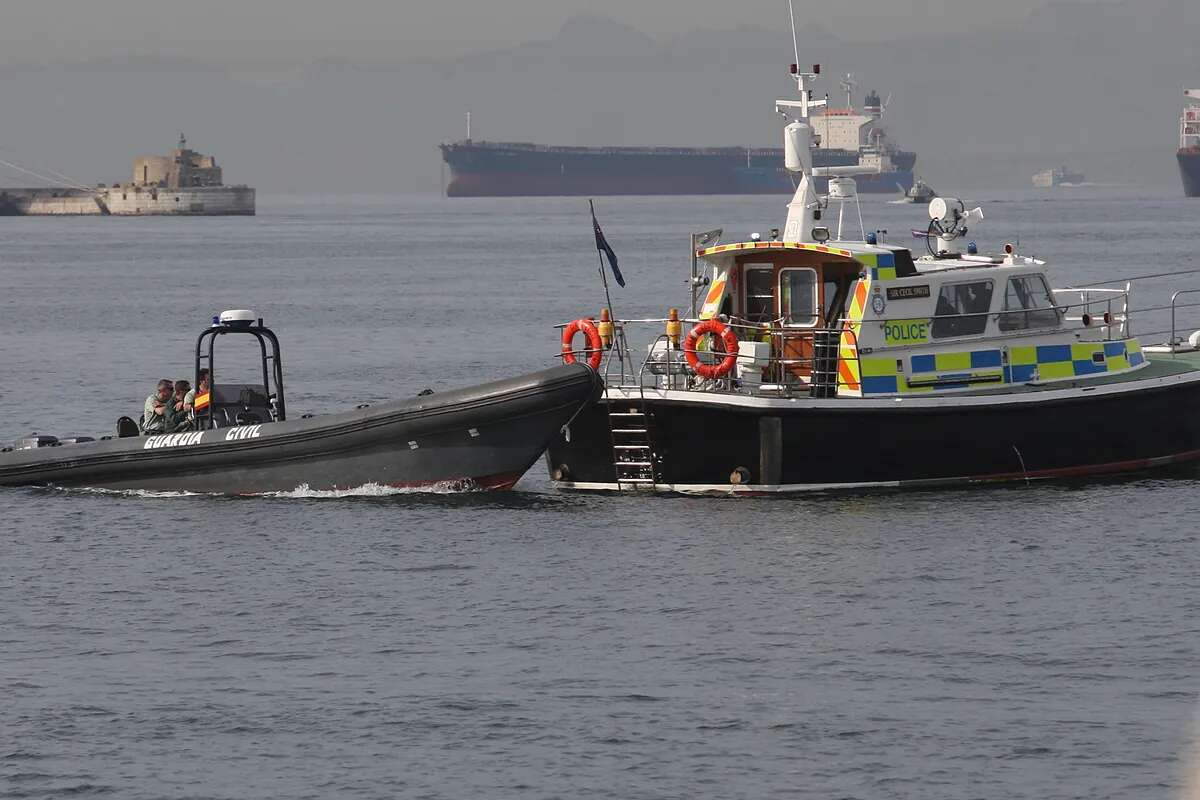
[(849, 85), (468, 126), (795, 42), (798, 138)]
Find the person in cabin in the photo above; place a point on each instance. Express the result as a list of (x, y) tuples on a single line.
[(190, 398), (156, 408), (201, 393), (177, 417)]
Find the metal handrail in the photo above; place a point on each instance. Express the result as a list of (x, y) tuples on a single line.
[(1096, 289), (1174, 297), (778, 366)]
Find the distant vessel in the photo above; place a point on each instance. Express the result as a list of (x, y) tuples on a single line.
[(847, 136), (183, 183), (920, 192), (1188, 154), (1059, 176)]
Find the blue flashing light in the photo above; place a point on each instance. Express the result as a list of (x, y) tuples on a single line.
[(216, 323), (972, 248), (871, 238)]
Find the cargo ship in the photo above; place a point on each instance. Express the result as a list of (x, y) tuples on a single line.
[(183, 183), (1189, 144), (847, 136)]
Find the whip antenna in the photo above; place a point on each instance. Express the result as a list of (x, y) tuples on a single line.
[(795, 43)]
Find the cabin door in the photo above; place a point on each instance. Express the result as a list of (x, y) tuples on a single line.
[(798, 291)]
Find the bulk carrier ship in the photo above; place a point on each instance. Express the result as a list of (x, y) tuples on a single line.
[(184, 183), (1189, 144), (848, 136)]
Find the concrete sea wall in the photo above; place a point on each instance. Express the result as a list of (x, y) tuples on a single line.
[(22, 202), (207, 201), (129, 201)]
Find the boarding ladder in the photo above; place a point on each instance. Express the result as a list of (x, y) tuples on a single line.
[(824, 374), (629, 432)]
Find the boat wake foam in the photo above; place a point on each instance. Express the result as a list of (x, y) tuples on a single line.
[(303, 492), (148, 493)]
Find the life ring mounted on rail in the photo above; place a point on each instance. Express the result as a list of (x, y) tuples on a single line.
[(728, 340), (595, 348)]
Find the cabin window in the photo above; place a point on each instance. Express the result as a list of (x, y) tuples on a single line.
[(760, 299), (1028, 304), (962, 309), (829, 290), (798, 297)]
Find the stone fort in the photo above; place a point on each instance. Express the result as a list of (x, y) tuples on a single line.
[(182, 169)]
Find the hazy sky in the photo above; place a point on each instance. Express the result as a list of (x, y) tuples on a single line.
[(304, 30), (1023, 92)]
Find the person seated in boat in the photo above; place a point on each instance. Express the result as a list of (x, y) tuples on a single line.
[(201, 391), (156, 408), (177, 416), (189, 399)]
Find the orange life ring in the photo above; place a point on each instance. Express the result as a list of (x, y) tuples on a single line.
[(728, 340), (595, 348)]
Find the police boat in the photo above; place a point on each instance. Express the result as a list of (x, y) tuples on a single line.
[(811, 361), (244, 442)]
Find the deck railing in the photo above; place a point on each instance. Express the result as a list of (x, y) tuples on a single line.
[(813, 362), (665, 364)]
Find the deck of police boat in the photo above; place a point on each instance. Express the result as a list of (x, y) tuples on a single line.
[(244, 442), (817, 362)]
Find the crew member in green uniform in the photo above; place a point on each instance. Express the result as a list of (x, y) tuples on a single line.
[(176, 417), (156, 408)]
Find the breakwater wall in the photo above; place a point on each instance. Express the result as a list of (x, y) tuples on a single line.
[(129, 201)]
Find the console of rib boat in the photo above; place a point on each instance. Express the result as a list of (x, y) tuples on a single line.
[(816, 362), (480, 437)]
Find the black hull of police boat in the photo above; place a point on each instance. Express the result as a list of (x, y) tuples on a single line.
[(482, 437), (739, 444)]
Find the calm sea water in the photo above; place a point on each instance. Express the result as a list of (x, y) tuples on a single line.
[(1013, 642)]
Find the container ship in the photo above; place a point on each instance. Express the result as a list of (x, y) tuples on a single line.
[(1189, 144), (848, 136), (182, 183)]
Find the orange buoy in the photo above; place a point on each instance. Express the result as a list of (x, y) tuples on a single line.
[(595, 348), (728, 340)]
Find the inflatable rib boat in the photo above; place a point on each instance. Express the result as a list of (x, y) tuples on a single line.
[(483, 436)]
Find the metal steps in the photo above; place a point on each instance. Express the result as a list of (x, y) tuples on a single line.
[(633, 449)]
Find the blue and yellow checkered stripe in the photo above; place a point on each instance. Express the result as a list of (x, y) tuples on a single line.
[(932, 372), (941, 371), (882, 265), (949, 362), (1049, 362)]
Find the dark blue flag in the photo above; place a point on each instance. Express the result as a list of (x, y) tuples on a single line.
[(603, 246)]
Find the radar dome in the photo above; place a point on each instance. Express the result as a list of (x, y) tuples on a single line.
[(238, 317), (797, 141)]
